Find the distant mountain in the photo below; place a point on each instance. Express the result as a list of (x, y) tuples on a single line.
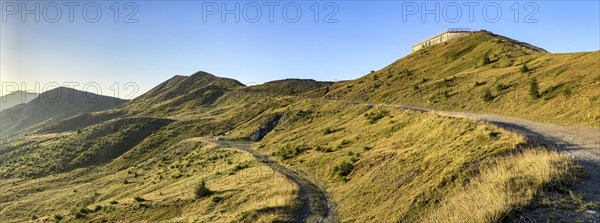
[(52, 105), (182, 92), (15, 98)]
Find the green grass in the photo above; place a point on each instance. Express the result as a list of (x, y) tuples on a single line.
[(160, 189)]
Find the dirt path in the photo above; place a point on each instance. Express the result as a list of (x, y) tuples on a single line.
[(316, 205), (579, 143)]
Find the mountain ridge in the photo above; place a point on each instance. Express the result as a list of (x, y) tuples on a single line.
[(53, 105)]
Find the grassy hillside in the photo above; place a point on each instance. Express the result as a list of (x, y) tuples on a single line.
[(160, 189), (43, 154), (288, 86), (142, 161), (378, 157), (456, 76), (183, 92), (371, 159)]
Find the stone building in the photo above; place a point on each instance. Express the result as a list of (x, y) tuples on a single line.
[(441, 37)]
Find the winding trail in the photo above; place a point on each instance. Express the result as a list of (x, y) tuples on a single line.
[(579, 143), (316, 205)]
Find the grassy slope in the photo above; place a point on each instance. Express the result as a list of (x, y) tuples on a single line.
[(452, 76), (243, 190), (408, 166)]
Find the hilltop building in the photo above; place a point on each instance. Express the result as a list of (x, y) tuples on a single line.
[(441, 37)]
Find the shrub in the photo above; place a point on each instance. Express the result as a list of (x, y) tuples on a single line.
[(486, 60), (324, 149), (288, 152), (344, 143), (329, 130), (79, 213), (525, 68), (217, 199), (447, 94), (501, 87), (239, 167), (113, 202), (406, 72), (58, 217), (477, 83), (344, 168), (139, 199), (202, 191), (367, 148), (567, 92), (373, 117), (534, 89), (487, 95)]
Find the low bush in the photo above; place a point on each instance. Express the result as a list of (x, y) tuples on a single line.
[(373, 117), (202, 191), (487, 95), (343, 169), (534, 89), (139, 199), (288, 151)]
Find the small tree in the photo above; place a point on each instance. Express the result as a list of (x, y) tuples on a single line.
[(487, 95), (534, 89), (202, 191), (525, 68)]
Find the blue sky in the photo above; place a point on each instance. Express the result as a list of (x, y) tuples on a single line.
[(182, 37)]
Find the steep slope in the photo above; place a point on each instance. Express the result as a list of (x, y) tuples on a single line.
[(15, 98), (41, 155), (487, 73), (52, 106)]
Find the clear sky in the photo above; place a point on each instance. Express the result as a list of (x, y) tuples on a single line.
[(154, 40)]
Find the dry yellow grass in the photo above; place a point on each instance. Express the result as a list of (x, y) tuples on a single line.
[(504, 184), (404, 163)]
